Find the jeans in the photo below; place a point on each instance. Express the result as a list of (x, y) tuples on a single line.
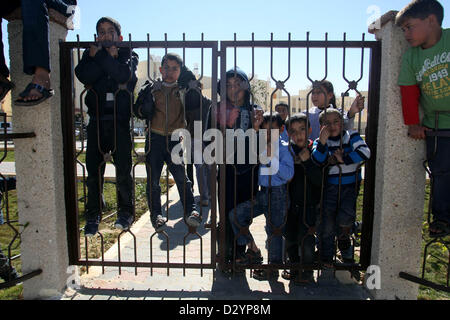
[(5, 9), (299, 244), (337, 221), (275, 220), (160, 153), (440, 171), (36, 48), (121, 153), (203, 174), (246, 185)]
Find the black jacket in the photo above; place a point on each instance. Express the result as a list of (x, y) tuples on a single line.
[(103, 74), (313, 175)]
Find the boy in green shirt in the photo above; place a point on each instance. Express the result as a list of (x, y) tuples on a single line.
[(424, 78)]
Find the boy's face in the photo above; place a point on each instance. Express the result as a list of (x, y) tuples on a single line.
[(170, 71), (334, 123), (283, 111), (235, 90), (107, 32), (266, 125), (418, 32), (298, 133)]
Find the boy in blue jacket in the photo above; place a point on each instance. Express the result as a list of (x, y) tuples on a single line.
[(272, 179)]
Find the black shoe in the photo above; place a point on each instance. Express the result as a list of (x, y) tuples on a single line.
[(90, 229), (9, 275), (263, 275), (123, 221)]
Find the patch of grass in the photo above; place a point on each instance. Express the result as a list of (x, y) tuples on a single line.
[(437, 260), (8, 154), (13, 293), (10, 242)]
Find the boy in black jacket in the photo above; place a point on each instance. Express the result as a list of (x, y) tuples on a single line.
[(103, 68), (305, 198)]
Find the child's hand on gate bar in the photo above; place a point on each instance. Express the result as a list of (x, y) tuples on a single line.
[(417, 132)]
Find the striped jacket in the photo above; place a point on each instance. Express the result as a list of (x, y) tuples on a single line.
[(355, 152)]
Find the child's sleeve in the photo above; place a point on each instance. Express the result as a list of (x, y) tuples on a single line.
[(286, 164), (409, 90), (144, 105), (360, 151), (320, 152), (87, 70), (410, 104), (349, 123)]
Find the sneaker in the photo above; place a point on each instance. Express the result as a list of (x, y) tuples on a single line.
[(123, 222), (9, 276), (158, 222), (194, 220), (263, 275), (90, 229)]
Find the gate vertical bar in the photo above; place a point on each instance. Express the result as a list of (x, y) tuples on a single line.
[(370, 166), (70, 174), (222, 187), (213, 175)]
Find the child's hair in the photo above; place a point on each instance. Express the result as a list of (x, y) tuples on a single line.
[(329, 89), (324, 113), (275, 118), (420, 9), (282, 104), (298, 117), (114, 22), (174, 57)]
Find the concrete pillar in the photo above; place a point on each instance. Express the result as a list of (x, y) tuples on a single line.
[(400, 178), (40, 176)]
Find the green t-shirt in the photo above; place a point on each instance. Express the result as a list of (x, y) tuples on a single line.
[(429, 68)]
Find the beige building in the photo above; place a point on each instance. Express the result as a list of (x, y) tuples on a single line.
[(6, 105)]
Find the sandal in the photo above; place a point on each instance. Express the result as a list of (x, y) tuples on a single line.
[(442, 227), (6, 86), (46, 93)]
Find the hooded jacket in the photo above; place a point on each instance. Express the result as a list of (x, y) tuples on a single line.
[(244, 121)]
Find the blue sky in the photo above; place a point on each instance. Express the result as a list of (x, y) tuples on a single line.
[(220, 20)]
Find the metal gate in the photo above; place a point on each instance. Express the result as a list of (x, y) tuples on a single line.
[(73, 122)]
